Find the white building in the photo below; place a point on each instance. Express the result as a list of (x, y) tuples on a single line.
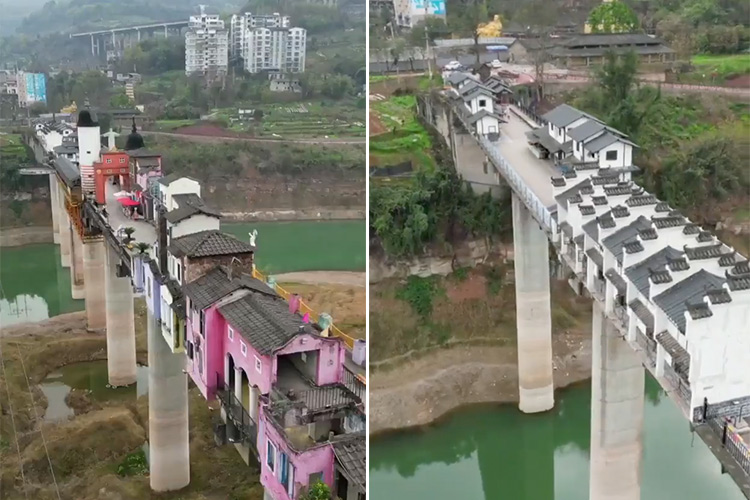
[(206, 46), (268, 43)]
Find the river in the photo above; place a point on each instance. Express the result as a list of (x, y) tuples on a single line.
[(34, 286), (497, 453)]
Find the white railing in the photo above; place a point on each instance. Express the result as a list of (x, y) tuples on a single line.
[(529, 198)]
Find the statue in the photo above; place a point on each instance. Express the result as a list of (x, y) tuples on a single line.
[(253, 236), (492, 29)]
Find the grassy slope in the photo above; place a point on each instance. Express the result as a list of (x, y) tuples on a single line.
[(407, 140)]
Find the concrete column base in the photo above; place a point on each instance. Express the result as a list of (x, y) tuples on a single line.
[(169, 445), (77, 288), (94, 267), (121, 361), (66, 241), (617, 401), (533, 312), (54, 205)]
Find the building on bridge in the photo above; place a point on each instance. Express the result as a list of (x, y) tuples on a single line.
[(668, 296)]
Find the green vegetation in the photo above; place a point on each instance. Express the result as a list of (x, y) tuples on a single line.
[(405, 139), (613, 17), (694, 150), (724, 66), (317, 491), (14, 154), (134, 464), (420, 293)]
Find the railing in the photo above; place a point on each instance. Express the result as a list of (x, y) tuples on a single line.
[(305, 309), (355, 383), (647, 344), (599, 287), (621, 314), (732, 442), (238, 415), (325, 398), (683, 389)]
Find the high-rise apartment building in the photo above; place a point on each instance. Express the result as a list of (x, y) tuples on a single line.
[(206, 46), (268, 43)]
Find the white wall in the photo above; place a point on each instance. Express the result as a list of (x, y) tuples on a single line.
[(194, 224), (182, 185), (487, 103), (624, 158), (167, 316), (89, 145), (487, 125)]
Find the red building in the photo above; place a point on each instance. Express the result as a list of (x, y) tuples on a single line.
[(113, 163)]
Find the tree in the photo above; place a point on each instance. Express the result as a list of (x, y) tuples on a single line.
[(539, 16), (613, 17), (429, 28), (468, 19), (317, 491), (120, 101)]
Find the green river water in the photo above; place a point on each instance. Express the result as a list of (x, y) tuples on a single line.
[(497, 453), (34, 286)]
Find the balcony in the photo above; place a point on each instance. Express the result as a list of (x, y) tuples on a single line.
[(239, 417)]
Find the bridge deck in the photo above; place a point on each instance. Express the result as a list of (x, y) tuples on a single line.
[(130, 28), (144, 231), (536, 173)]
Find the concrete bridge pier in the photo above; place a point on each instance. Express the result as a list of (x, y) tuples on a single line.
[(617, 401), (121, 361), (54, 199), (94, 267), (77, 288), (169, 447), (533, 312), (66, 239)]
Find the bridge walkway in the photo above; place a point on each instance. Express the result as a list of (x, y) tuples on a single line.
[(144, 231)]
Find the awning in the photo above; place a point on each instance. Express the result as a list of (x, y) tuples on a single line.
[(127, 202)]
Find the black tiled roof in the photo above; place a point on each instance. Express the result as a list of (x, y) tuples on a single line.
[(606, 221), (616, 280), (178, 298), (599, 200), (678, 264), (571, 191), (564, 115), (699, 310), (718, 296), (647, 234), (737, 283), (586, 209), (672, 221), (704, 236), (616, 241), (265, 321), (639, 273), (602, 180), (620, 211), (189, 205), (618, 190), (351, 455), (208, 244), (643, 314), (741, 267), (662, 206), (558, 181), (704, 252), (728, 259), (630, 247), (641, 200), (690, 229), (587, 189), (575, 199), (660, 276), (215, 285), (674, 300), (566, 229), (680, 357)]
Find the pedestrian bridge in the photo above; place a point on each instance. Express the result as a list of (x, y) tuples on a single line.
[(668, 295)]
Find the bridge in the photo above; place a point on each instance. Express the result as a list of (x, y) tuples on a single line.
[(119, 38), (667, 296), (108, 268)]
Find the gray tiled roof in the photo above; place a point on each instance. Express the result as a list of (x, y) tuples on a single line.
[(592, 229), (572, 191), (457, 77), (265, 321), (616, 280), (615, 241), (207, 244), (215, 285), (674, 301), (481, 114), (169, 179), (639, 273), (586, 130), (643, 314), (595, 256), (68, 171), (351, 456), (564, 115), (680, 357), (189, 205)]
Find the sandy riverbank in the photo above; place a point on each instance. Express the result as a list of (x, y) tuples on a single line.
[(19, 236), (447, 379), (347, 278)]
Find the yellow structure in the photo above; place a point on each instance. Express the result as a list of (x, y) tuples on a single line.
[(492, 29), (70, 109)]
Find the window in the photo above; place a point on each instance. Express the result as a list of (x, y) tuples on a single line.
[(243, 348), (611, 155), (230, 333), (258, 364), (203, 323), (189, 348), (482, 103), (109, 160), (271, 456), (122, 160)]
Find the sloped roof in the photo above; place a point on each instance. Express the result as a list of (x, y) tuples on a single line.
[(189, 205), (208, 243), (564, 115), (643, 314), (351, 454), (674, 301), (264, 321), (586, 130), (639, 273), (609, 39), (615, 241), (457, 77), (605, 140), (481, 114), (215, 285)]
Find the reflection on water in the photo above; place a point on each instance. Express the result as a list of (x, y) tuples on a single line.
[(90, 376), (33, 284), (498, 453)]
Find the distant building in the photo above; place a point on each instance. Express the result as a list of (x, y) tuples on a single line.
[(407, 13), (284, 83), (206, 46), (268, 43)]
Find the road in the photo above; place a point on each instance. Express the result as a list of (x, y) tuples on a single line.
[(215, 139)]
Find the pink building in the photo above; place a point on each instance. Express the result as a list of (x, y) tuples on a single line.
[(281, 382)]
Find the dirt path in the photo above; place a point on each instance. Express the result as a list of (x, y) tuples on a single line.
[(216, 139), (448, 379), (349, 278)]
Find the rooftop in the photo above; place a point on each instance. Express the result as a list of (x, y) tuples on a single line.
[(208, 244), (215, 285), (675, 300)]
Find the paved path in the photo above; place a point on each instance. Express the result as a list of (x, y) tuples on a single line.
[(514, 147), (350, 278), (144, 232), (214, 139)]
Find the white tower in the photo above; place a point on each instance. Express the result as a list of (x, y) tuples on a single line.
[(89, 149)]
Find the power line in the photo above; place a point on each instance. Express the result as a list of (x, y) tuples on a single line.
[(41, 430), (13, 424)]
